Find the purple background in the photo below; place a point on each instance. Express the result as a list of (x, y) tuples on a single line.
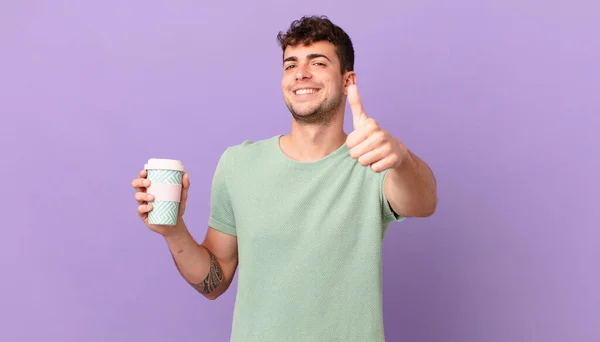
[(502, 100)]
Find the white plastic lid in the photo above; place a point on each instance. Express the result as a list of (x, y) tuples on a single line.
[(164, 164)]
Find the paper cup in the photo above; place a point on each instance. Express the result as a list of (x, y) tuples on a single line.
[(165, 176)]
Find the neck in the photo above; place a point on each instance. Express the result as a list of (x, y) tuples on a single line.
[(308, 143)]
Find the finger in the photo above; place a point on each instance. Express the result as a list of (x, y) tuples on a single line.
[(144, 208), (374, 156), (385, 163), (361, 133), (369, 144), (358, 113), (136, 182), (143, 197), (140, 184)]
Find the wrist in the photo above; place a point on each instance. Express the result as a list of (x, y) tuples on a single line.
[(407, 163), (176, 232)]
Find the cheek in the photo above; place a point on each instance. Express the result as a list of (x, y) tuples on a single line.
[(335, 83), (285, 82)]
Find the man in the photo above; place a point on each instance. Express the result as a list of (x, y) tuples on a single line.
[(303, 215)]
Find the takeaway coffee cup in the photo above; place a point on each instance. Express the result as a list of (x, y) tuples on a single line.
[(165, 176)]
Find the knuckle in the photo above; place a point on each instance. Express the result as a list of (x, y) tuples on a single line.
[(372, 123)]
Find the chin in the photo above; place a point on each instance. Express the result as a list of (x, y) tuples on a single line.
[(300, 115), (304, 110)]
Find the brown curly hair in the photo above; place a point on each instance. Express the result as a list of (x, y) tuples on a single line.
[(312, 29)]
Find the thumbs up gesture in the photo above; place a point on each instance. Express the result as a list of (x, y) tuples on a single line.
[(369, 143)]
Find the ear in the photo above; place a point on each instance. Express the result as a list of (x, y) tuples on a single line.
[(350, 79)]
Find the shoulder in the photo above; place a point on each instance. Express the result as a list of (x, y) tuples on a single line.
[(248, 151)]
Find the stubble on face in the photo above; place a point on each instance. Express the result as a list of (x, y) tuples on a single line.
[(319, 114)]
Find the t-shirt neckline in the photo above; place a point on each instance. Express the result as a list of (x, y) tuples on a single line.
[(343, 149)]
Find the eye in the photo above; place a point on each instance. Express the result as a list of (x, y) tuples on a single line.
[(289, 67), (319, 64)]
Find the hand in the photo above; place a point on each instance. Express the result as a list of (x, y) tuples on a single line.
[(140, 185), (369, 143)]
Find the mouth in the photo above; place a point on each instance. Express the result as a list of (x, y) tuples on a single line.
[(306, 91)]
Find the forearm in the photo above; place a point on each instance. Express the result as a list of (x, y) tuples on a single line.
[(196, 264), (411, 188)]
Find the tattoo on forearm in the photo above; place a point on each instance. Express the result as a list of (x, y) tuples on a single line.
[(213, 279)]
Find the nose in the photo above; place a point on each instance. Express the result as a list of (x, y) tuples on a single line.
[(302, 73)]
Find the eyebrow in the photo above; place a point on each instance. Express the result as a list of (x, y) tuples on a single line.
[(310, 56)]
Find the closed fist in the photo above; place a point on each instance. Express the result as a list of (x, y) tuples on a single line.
[(369, 143)]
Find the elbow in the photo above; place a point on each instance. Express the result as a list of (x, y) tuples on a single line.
[(430, 207), (428, 211), (423, 210), (217, 291), (211, 296)]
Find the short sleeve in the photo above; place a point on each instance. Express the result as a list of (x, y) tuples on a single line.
[(221, 208), (389, 215)]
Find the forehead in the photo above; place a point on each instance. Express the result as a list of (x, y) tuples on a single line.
[(301, 52)]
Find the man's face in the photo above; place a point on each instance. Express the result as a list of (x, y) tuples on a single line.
[(312, 84)]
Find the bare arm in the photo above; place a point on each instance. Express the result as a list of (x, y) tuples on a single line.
[(411, 188), (208, 267)]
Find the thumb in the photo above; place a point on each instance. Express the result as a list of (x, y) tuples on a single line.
[(358, 113), (185, 187)]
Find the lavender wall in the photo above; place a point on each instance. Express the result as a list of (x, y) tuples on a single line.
[(501, 99)]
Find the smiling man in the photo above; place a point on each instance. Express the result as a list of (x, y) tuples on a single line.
[(302, 216)]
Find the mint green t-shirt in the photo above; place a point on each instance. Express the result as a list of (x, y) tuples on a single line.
[(309, 242)]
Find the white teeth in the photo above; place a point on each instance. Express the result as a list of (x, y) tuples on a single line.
[(305, 91)]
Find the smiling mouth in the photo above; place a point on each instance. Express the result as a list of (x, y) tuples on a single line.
[(306, 91)]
